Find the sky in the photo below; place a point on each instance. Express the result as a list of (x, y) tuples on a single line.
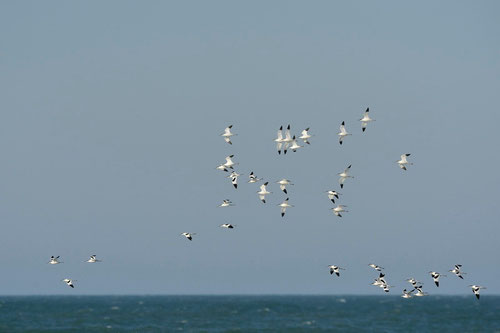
[(109, 138)]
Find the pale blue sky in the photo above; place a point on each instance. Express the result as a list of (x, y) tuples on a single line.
[(109, 129)]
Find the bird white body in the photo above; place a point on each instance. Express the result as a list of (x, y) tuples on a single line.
[(93, 259), (284, 205), (54, 260), (226, 203), (229, 162), (420, 292), (227, 226), (253, 178), (227, 134), (234, 178), (344, 175), (343, 133), (403, 162), (294, 146), (332, 194), (263, 192), (222, 167), (407, 294), (283, 183), (188, 235), (279, 140), (476, 289), (376, 267), (414, 282), (339, 209), (435, 276), (305, 136), (69, 282), (335, 269), (457, 270), (366, 119)]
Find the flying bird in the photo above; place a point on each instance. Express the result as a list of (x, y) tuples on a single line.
[(407, 294), (253, 178), (93, 259), (343, 133), (54, 260), (344, 175), (305, 136), (283, 183), (339, 209), (188, 235), (366, 119), (234, 178), (229, 162), (403, 162), (294, 146), (376, 267), (457, 271), (227, 225), (287, 140), (420, 292), (475, 290), (279, 140), (335, 269), (222, 167), (332, 194), (263, 192), (414, 282), (69, 282), (227, 134), (435, 277), (284, 205), (226, 203)]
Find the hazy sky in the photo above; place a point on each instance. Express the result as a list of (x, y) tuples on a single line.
[(109, 136)]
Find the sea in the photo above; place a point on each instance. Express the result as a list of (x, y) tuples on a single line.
[(249, 314)]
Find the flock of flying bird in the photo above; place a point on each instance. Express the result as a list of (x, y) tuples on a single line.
[(283, 144)]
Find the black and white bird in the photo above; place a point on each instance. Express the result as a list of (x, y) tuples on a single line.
[(234, 178), (435, 277), (414, 282), (332, 194), (376, 267), (229, 162), (227, 134), (403, 162), (420, 292), (294, 145), (407, 294), (287, 141), (380, 281), (227, 226), (305, 136), (475, 289), (188, 235), (54, 260), (253, 178), (343, 133), (226, 203), (339, 209), (263, 192), (93, 259), (284, 205), (457, 270), (366, 119), (279, 140), (335, 269), (69, 282), (283, 183), (344, 175), (221, 167)]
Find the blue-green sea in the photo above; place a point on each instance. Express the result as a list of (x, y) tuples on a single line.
[(249, 314)]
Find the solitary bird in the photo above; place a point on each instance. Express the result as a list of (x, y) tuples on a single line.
[(226, 203), (93, 259), (344, 175), (188, 235), (332, 194), (263, 192), (339, 209), (227, 225), (284, 205), (69, 282), (475, 290), (54, 260), (227, 134), (435, 277), (403, 162), (376, 267), (283, 183), (343, 133), (305, 136), (335, 269), (366, 119), (457, 271), (253, 178), (279, 140)]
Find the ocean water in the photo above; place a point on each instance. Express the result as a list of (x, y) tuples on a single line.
[(249, 314)]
